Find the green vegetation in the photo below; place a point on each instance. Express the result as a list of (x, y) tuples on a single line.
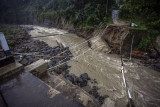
[(12, 33), (143, 12), (148, 43), (141, 27), (86, 14), (144, 44), (79, 12), (146, 14)]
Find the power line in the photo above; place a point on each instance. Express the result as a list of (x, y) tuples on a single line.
[(71, 46), (81, 48), (76, 45)]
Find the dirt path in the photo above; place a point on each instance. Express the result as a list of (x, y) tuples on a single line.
[(116, 20)]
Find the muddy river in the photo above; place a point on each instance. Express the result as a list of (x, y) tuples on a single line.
[(144, 83)]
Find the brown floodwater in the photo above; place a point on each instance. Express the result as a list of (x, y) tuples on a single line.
[(143, 82)]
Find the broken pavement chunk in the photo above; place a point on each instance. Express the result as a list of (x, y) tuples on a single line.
[(37, 68)]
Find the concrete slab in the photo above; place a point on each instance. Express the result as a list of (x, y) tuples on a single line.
[(67, 88), (108, 103), (10, 69), (98, 44), (2, 103), (26, 90), (37, 68)]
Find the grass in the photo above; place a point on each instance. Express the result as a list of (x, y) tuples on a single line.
[(12, 32), (141, 27), (139, 22)]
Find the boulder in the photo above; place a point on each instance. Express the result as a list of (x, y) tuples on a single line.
[(98, 43), (24, 61), (108, 103), (157, 67), (154, 54), (85, 76), (157, 46), (133, 25)]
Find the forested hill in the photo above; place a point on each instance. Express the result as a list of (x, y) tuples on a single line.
[(76, 11), (81, 12)]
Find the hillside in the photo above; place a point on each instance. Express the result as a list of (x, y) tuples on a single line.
[(84, 14)]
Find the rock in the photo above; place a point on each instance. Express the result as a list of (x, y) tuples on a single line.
[(71, 31), (94, 92), (108, 103), (83, 80), (154, 54), (157, 45), (69, 77), (24, 61), (84, 76), (58, 71), (79, 80), (102, 98), (30, 59), (94, 81), (97, 43), (133, 25), (83, 83), (157, 67), (75, 80)]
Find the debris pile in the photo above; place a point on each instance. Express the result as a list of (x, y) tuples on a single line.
[(30, 51), (82, 81), (94, 92)]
